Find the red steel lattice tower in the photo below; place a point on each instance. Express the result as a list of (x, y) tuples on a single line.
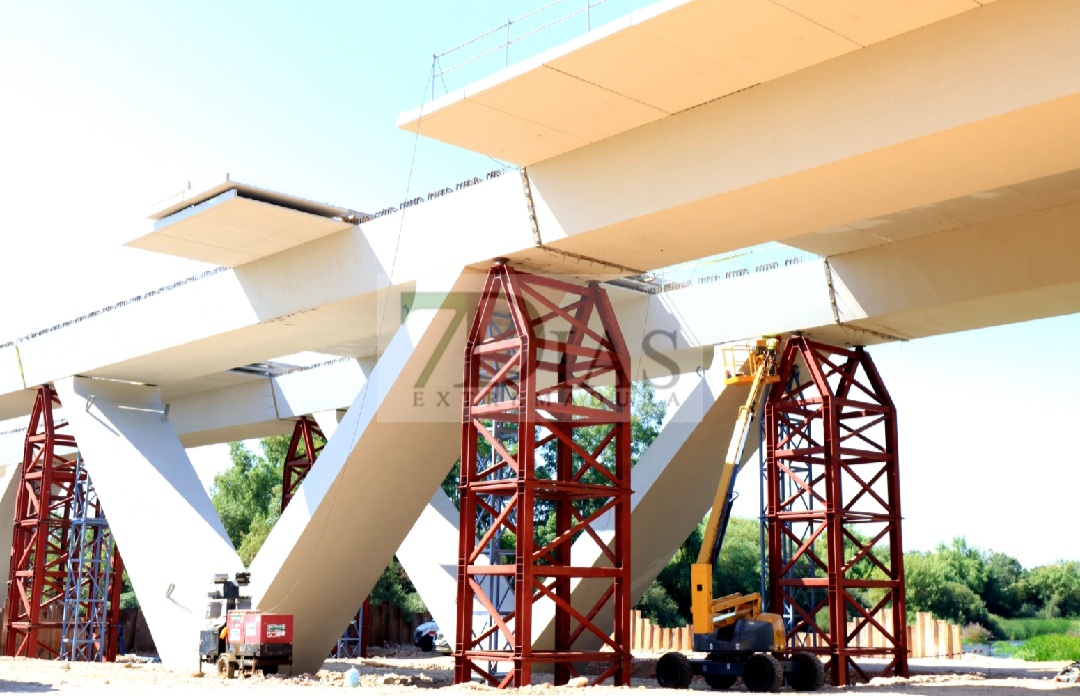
[(833, 511), (563, 449), (298, 462), (40, 548)]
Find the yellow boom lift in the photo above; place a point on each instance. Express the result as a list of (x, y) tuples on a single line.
[(739, 639)]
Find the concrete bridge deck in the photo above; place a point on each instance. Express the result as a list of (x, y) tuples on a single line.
[(941, 189)]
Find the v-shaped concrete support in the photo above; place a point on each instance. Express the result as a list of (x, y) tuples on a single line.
[(168, 532), (373, 477), (9, 488)]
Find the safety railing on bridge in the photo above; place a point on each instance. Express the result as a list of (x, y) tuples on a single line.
[(521, 37), (760, 259)]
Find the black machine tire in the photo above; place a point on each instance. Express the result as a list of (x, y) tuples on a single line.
[(763, 672), (226, 668), (673, 671), (808, 673), (427, 643), (720, 681)]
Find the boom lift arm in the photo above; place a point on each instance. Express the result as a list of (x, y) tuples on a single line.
[(710, 614), (739, 639)]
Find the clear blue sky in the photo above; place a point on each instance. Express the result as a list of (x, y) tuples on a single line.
[(108, 107)]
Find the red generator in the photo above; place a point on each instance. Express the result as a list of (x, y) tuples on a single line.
[(257, 641)]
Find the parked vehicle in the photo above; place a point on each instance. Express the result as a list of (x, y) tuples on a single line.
[(428, 638)]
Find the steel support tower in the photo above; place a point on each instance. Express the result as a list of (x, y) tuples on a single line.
[(569, 459), (304, 448), (833, 508), (41, 541), (306, 444), (498, 588), (92, 590)]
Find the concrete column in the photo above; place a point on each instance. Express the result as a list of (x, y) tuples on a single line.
[(429, 555), (9, 488), (429, 552), (168, 532), (373, 478)]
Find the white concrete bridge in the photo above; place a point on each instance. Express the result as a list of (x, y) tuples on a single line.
[(926, 151)]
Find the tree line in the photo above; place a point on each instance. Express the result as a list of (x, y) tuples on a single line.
[(955, 581)]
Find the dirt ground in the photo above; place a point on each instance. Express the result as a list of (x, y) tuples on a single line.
[(407, 670)]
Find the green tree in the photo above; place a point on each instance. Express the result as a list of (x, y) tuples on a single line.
[(964, 564), (250, 489), (1055, 588), (657, 606), (128, 600), (1005, 585), (935, 583), (737, 570), (646, 417), (395, 588)]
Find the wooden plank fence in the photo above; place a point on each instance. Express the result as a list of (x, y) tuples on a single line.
[(648, 637), (390, 625), (928, 637)]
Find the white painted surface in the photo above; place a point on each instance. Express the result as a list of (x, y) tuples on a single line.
[(244, 411), (662, 59), (168, 533), (234, 230), (9, 489), (924, 117), (323, 388), (10, 370), (324, 295), (352, 511), (429, 554)]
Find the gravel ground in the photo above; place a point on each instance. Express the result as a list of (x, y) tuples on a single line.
[(406, 671)]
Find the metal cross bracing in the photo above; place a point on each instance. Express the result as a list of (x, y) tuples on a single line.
[(41, 542), (353, 642), (803, 567), (549, 393), (92, 590), (833, 510), (304, 448), (499, 588), (305, 445)]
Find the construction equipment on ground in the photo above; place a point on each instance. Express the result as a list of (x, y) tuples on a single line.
[(239, 639), (740, 640)]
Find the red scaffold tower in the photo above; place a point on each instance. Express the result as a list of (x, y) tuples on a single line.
[(42, 575), (833, 508), (541, 437), (304, 448)]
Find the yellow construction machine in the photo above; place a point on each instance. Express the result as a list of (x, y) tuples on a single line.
[(739, 639)]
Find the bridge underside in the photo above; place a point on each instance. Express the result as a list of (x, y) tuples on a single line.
[(940, 188)]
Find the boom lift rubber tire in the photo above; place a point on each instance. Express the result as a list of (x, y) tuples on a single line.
[(763, 672), (808, 673), (226, 668), (720, 682), (426, 644), (673, 671)]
